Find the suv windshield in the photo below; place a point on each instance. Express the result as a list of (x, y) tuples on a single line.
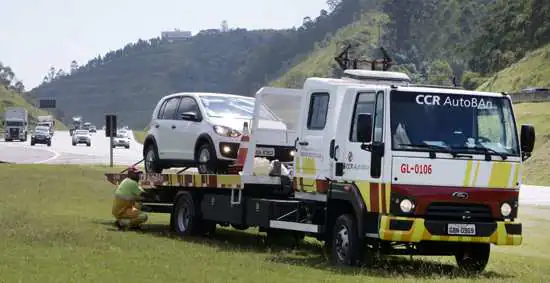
[(234, 107), (80, 132), (461, 123)]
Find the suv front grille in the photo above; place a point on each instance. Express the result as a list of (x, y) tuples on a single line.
[(458, 212)]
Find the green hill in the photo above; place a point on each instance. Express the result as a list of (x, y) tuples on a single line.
[(537, 114), (11, 99), (531, 71)]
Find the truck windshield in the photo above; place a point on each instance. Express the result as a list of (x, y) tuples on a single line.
[(14, 124), (232, 107), (461, 123)]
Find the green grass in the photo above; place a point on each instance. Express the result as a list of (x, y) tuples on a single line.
[(139, 136), (537, 114), (11, 99), (55, 226), (532, 70)]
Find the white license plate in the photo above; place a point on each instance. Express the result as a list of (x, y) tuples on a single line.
[(265, 151), (461, 229)]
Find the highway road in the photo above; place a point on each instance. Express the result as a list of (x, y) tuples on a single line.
[(63, 152)]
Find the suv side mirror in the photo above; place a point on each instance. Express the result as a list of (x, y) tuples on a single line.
[(364, 127), (527, 140), (189, 116)]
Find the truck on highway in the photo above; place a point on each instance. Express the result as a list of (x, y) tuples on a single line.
[(382, 166), (16, 122), (47, 121)]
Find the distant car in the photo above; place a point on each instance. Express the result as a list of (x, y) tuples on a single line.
[(41, 135), (204, 130), (121, 140), (93, 129), (82, 136), (535, 89)]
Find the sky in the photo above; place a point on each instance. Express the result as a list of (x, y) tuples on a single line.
[(38, 34)]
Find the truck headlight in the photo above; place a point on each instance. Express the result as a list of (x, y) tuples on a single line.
[(506, 209), (226, 131), (406, 205), (292, 152)]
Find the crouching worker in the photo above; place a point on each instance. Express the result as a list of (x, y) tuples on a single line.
[(126, 202)]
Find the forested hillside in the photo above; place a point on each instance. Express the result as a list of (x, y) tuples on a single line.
[(11, 90), (433, 41)]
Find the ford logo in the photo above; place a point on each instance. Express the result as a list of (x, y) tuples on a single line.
[(460, 195)]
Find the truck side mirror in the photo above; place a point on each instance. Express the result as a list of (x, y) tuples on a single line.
[(364, 128), (527, 140)]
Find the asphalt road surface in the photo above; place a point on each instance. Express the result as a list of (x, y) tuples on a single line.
[(63, 152)]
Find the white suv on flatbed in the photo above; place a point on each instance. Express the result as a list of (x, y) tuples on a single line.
[(203, 130)]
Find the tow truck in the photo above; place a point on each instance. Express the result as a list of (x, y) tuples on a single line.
[(383, 167)]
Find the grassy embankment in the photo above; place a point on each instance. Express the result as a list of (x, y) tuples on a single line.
[(56, 227), (11, 99)]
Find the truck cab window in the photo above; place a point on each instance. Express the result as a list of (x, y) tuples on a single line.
[(364, 103), (379, 117), (318, 109)]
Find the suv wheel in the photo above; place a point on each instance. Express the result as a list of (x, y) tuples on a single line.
[(151, 160), (206, 159)]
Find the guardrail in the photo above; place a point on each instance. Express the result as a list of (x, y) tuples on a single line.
[(520, 97)]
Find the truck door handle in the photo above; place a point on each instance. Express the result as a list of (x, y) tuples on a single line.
[(173, 126), (303, 143), (156, 125)]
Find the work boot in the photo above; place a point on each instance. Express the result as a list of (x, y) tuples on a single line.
[(118, 225)]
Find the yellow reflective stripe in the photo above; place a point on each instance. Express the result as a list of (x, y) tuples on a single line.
[(500, 174), (468, 173), (476, 172)]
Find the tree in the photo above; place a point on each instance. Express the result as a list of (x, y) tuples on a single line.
[(332, 4), (74, 67), (18, 87), (225, 26), (440, 73)]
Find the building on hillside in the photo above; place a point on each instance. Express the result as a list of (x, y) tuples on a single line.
[(176, 34)]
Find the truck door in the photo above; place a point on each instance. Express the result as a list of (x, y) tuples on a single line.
[(358, 147), (310, 143)]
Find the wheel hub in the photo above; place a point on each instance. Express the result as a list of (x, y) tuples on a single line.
[(204, 157), (183, 219), (342, 244), (149, 159)]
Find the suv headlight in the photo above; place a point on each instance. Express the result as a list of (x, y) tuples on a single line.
[(226, 131)]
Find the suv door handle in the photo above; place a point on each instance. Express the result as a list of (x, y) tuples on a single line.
[(303, 143), (173, 126)]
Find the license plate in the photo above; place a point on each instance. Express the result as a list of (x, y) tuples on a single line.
[(461, 229), (265, 151)]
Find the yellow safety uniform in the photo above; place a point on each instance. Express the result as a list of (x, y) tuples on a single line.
[(125, 208)]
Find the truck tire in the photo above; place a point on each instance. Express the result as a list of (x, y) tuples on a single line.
[(346, 246), (49, 143), (32, 143), (473, 257), (89, 144), (183, 220)]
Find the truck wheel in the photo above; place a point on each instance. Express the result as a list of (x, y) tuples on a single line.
[(127, 147), (89, 144), (151, 160), (32, 143), (74, 144), (473, 257), (346, 245), (206, 159), (183, 219), (50, 144)]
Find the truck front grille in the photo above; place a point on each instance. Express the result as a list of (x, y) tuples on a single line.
[(458, 212)]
